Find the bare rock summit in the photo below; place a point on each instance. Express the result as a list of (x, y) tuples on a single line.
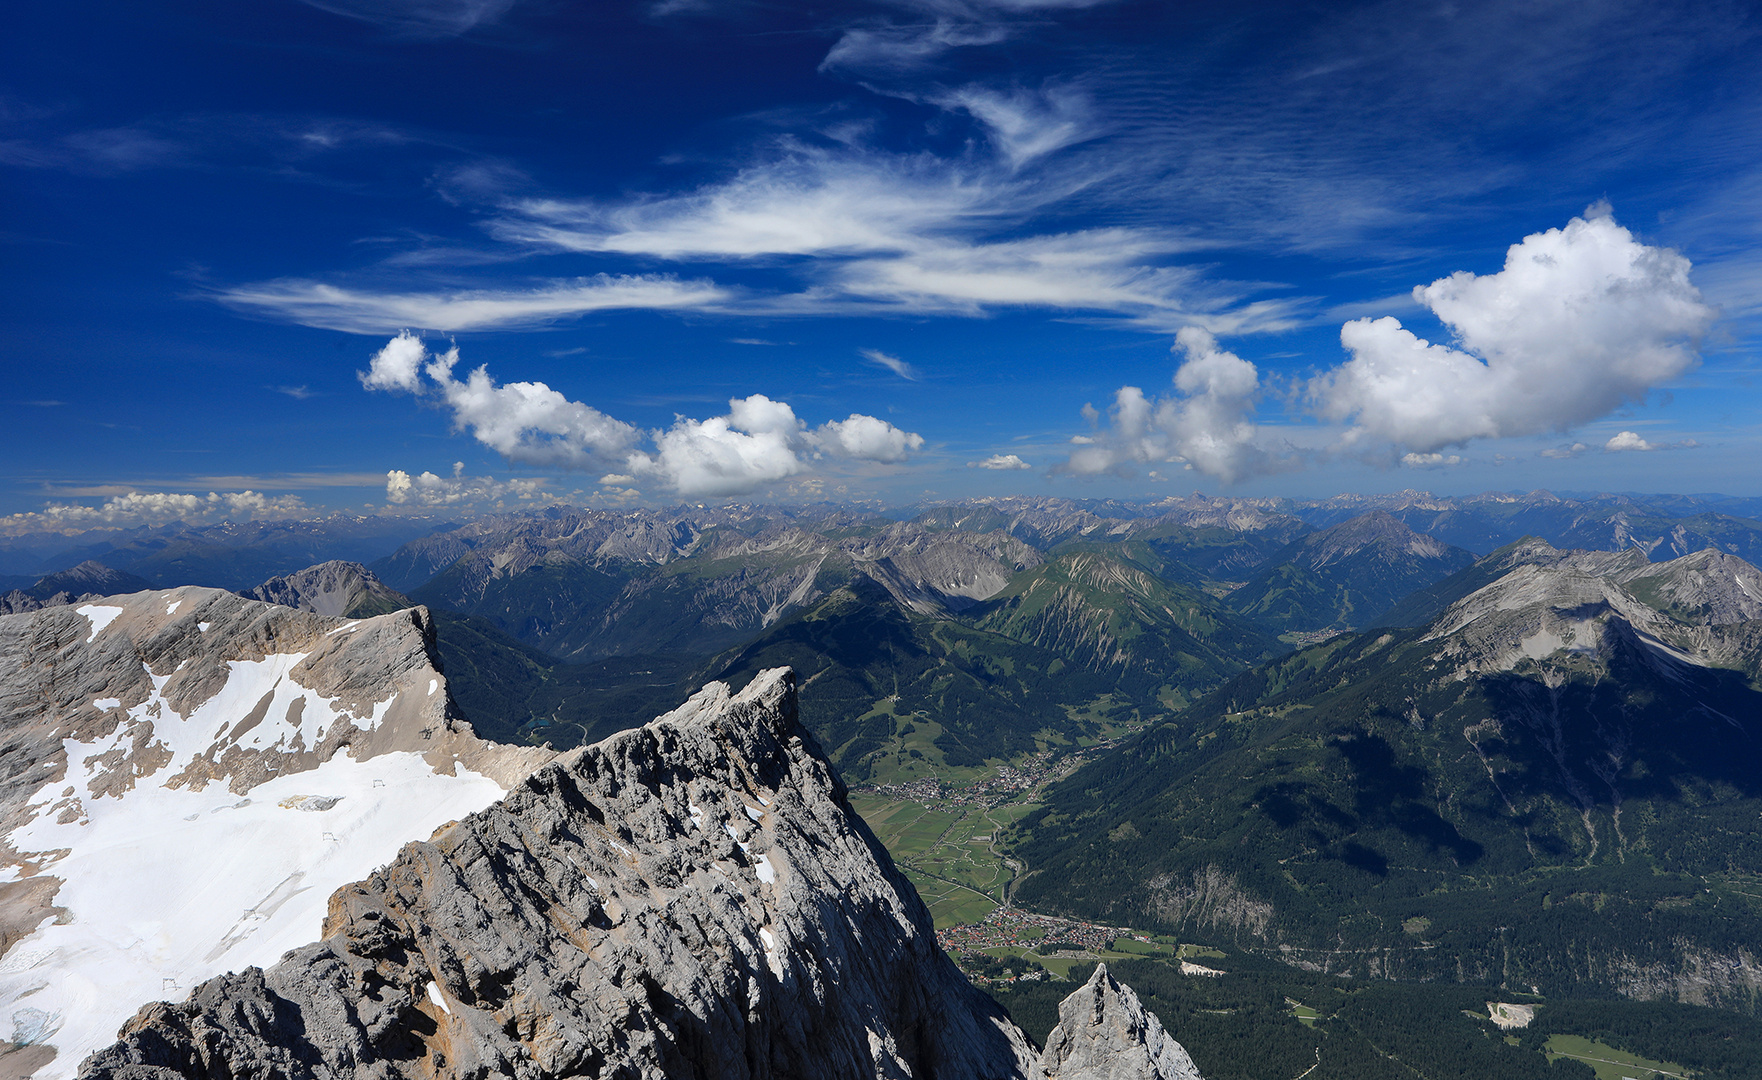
[(332, 588), (185, 777), (692, 898), (1105, 1033)]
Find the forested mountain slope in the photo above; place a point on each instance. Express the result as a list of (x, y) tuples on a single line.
[(1555, 784)]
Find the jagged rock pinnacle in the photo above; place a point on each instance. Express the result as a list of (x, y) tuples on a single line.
[(1105, 1033), (694, 897)]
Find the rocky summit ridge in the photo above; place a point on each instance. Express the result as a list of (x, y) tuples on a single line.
[(692, 898), (331, 588), (185, 776)]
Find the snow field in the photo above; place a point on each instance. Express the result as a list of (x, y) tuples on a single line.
[(168, 887)]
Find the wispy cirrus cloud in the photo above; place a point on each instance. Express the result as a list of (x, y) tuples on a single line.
[(364, 311), (891, 363), (286, 146), (888, 46), (803, 200), (1091, 188), (420, 18), (860, 231), (907, 233), (1027, 124)]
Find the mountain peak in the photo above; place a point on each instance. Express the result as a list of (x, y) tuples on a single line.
[(336, 588), (88, 580), (90, 577), (177, 758), (694, 897), (1377, 530), (1104, 1031)]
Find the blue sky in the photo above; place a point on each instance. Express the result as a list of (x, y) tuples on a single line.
[(899, 250)]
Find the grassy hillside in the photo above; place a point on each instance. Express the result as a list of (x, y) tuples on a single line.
[(868, 669), (1108, 615)]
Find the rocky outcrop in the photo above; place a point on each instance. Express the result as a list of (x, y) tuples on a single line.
[(695, 897), (1213, 899), (332, 588), (185, 775), (1707, 588), (1105, 1033), (1700, 609)]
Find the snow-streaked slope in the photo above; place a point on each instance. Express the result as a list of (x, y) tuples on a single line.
[(201, 785), (169, 887)]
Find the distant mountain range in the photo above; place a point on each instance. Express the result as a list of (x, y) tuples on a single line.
[(230, 555), (241, 555), (559, 624), (1378, 737), (1553, 781)]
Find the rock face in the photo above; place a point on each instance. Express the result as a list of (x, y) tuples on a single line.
[(185, 775), (1105, 1033), (1700, 609), (331, 588), (693, 898)]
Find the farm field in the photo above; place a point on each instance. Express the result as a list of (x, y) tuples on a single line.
[(1608, 1062)]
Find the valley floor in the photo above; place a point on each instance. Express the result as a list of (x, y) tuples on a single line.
[(1240, 1015)]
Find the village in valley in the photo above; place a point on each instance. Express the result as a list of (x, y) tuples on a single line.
[(944, 833)]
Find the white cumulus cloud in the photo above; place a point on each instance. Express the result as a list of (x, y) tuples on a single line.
[(1000, 462), (428, 489), (1206, 424), (715, 457), (1631, 440), (759, 441), (528, 421), (159, 508), (864, 438), (1579, 321), (1430, 461), (398, 366), (1628, 440)]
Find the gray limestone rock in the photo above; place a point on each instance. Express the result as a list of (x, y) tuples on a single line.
[(157, 708), (693, 898), (332, 588), (1105, 1033), (75, 672)]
